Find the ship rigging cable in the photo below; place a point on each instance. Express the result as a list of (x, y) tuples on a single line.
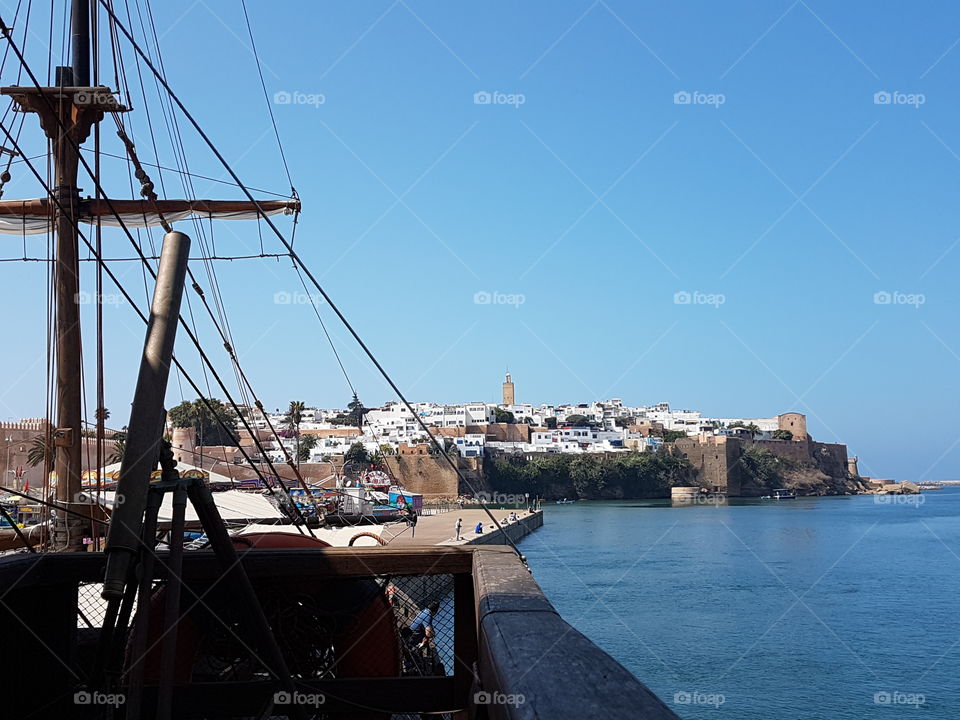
[(205, 359), (291, 505), (203, 135)]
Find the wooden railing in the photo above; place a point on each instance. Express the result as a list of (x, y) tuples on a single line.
[(514, 656)]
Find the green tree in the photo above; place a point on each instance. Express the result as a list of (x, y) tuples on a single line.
[(762, 468), (38, 453), (623, 475), (503, 416), (782, 435), (206, 421), (624, 422), (752, 429), (578, 421), (291, 421), (357, 453), (305, 444), (354, 414), (119, 446), (670, 436)]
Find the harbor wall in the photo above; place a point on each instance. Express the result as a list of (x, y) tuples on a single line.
[(516, 531)]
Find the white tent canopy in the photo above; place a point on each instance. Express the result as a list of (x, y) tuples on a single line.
[(233, 505)]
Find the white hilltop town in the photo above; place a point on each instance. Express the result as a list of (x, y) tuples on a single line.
[(475, 429)]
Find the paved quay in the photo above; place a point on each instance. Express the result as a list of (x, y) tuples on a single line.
[(439, 529)]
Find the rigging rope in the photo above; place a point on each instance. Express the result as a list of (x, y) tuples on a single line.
[(203, 135), (193, 337), (266, 96)]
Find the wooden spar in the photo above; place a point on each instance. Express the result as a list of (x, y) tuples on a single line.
[(43, 208)]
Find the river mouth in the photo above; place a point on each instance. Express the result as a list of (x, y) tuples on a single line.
[(814, 607)]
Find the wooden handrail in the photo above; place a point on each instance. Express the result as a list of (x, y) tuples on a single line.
[(56, 568), (535, 665)]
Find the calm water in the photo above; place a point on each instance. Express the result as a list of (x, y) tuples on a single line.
[(791, 610)]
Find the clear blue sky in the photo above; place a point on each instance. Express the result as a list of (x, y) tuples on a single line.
[(598, 199)]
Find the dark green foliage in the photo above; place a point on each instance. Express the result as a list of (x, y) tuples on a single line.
[(556, 475), (305, 445), (762, 468), (199, 416), (357, 453), (503, 416), (353, 416)]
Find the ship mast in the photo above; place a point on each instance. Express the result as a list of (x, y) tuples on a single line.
[(67, 113), (68, 530)]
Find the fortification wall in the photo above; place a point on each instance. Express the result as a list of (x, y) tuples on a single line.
[(426, 474), (831, 458), (794, 450), (715, 460)]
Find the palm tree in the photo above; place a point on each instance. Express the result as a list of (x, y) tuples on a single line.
[(101, 414), (292, 420), (751, 428), (38, 451), (119, 446)]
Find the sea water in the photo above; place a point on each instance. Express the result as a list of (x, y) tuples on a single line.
[(836, 607)]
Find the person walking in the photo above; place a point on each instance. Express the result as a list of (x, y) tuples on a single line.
[(458, 526)]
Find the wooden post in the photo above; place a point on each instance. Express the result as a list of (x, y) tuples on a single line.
[(464, 638)]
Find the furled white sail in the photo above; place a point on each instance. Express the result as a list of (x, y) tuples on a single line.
[(34, 217)]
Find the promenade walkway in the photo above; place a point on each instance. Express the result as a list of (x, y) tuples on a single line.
[(436, 529)]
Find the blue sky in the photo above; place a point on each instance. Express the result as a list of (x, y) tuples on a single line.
[(779, 202)]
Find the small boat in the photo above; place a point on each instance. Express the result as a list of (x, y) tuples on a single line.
[(565, 502), (780, 494)]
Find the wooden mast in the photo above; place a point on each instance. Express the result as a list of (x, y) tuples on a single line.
[(67, 113)]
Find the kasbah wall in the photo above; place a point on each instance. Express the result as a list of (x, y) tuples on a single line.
[(432, 476), (716, 457)]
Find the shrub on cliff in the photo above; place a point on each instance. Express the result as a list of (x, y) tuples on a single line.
[(623, 475), (762, 469)]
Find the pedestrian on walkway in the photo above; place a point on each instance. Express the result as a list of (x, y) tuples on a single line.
[(458, 526)]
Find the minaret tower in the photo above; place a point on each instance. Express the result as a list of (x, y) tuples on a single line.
[(508, 396)]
